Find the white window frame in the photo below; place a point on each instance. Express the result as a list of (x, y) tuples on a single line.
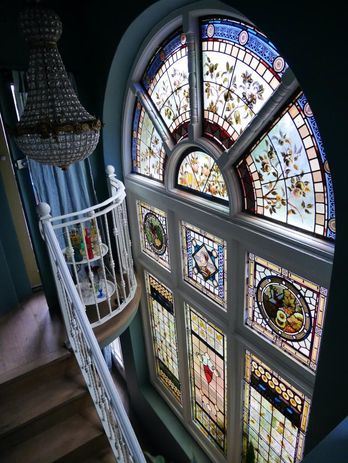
[(302, 254)]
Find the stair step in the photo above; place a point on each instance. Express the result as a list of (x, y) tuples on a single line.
[(69, 441), (28, 402)]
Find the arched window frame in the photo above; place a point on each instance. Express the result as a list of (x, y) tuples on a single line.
[(305, 255)]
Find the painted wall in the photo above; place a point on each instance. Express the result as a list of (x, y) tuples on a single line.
[(311, 37)]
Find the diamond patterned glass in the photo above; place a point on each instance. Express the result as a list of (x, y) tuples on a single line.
[(204, 262)]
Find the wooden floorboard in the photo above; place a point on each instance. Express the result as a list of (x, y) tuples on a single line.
[(28, 334)]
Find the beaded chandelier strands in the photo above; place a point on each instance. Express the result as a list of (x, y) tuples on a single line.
[(54, 128)]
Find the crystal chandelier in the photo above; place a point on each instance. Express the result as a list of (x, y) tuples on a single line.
[(54, 128)]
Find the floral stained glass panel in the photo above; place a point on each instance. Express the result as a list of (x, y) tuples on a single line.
[(199, 173), (275, 415), (153, 233), (164, 335), (286, 176), (207, 356), (286, 309), (147, 148), (241, 70), (166, 82), (204, 262)]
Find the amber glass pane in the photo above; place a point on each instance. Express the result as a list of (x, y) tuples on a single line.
[(164, 337), (207, 356)]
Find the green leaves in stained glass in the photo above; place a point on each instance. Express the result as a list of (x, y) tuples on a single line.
[(147, 147), (241, 70), (166, 82), (286, 177)]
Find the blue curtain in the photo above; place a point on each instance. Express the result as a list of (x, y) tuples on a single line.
[(65, 191)]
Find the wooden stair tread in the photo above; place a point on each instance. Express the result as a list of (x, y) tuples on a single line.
[(34, 397), (63, 441)]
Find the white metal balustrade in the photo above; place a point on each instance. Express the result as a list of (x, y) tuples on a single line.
[(97, 249), (108, 293)]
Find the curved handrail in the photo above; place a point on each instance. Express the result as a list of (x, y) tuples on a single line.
[(90, 346)]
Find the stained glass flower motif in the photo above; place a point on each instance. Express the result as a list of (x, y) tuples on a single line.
[(166, 82), (275, 415), (164, 334), (241, 70), (286, 309), (199, 174), (147, 147), (286, 176), (204, 262), (207, 357), (153, 233)]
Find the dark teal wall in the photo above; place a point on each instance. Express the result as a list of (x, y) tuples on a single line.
[(311, 37)]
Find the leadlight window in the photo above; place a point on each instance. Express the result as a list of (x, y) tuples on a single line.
[(241, 70), (162, 315), (231, 117), (153, 232), (275, 415), (166, 82), (199, 173), (207, 356), (286, 309), (286, 176), (148, 154), (204, 262)]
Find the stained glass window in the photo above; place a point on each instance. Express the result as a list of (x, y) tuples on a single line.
[(241, 70), (286, 309), (275, 415), (207, 356), (147, 148), (153, 233), (199, 173), (166, 82), (286, 176), (165, 347), (204, 263)]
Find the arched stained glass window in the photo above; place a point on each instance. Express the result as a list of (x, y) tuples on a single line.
[(286, 176), (166, 82), (241, 70), (199, 173), (147, 147), (221, 107)]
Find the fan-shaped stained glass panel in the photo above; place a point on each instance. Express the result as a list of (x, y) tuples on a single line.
[(199, 173), (286, 176), (207, 356), (147, 148), (241, 70), (166, 82), (165, 347), (286, 309), (275, 416)]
